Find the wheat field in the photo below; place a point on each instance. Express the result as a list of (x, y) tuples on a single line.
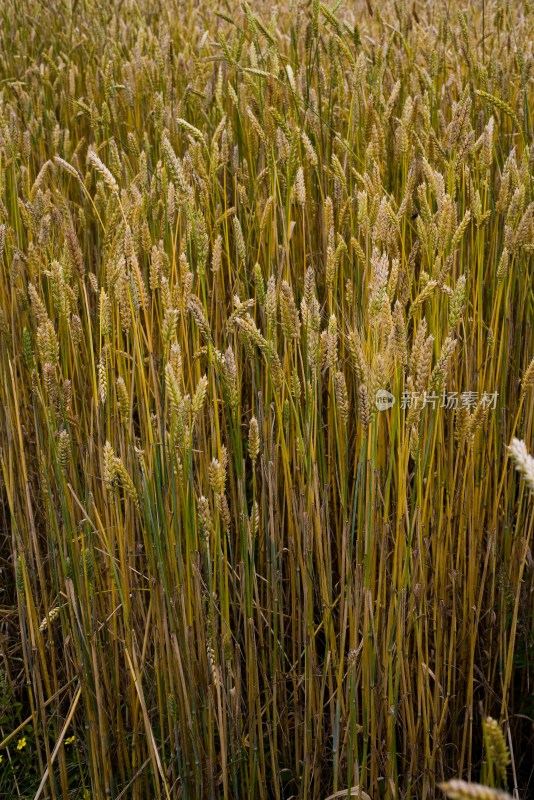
[(266, 399)]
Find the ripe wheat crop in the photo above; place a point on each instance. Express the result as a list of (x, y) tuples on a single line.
[(266, 399)]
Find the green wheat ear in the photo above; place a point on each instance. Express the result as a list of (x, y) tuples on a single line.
[(497, 752)]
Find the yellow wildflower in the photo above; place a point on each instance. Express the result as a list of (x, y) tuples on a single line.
[(21, 743), (70, 740)]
